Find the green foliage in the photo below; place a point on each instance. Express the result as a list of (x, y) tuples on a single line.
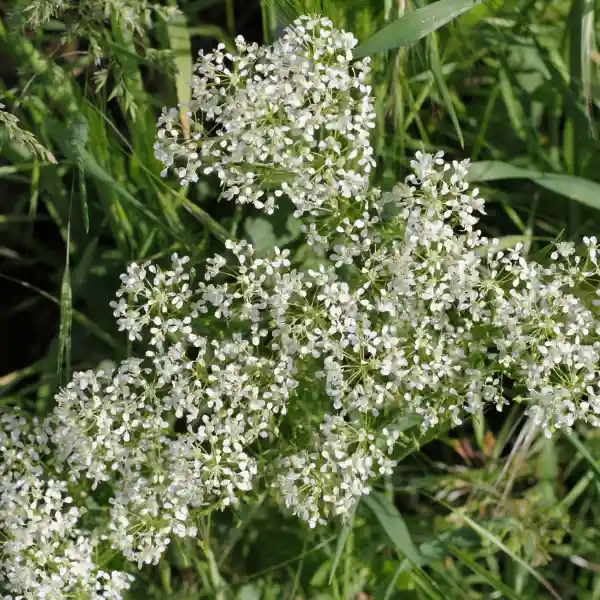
[(413, 26), (11, 129), (492, 510)]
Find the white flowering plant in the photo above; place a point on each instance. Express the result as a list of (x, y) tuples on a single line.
[(255, 375)]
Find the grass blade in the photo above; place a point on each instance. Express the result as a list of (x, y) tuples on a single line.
[(66, 310), (213, 32), (393, 524), (582, 449), (179, 40), (492, 170), (79, 139), (513, 107), (339, 549), (414, 26), (581, 46), (484, 533), (66, 317), (581, 190), (93, 328), (436, 69), (492, 580)]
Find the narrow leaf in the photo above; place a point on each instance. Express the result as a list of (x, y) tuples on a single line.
[(515, 110), (214, 32), (78, 316), (165, 576), (484, 533), (66, 308), (84, 203), (583, 450), (179, 40), (492, 170), (339, 549), (393, 524), (582, 44), (66, 318), (95, 170), (491, 579), (79, 132), (414, 26), (438, 548), (436, 68), (581, 190)]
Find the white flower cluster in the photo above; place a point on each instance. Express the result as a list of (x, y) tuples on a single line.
[(262, 374), (117, 428), (418, 314), (293, 118), (44, 551)]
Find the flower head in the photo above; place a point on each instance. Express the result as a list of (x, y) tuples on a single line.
[(292, 119)]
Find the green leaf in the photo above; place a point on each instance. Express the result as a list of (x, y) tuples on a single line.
[(576, 188), (320, 575), (582, 43), (179, 553), (484, 533), (79, 132), (492, 170), (408, 422), (510, 241), (179, 40), (583, 450), (203, 217), (78, 316), (92, 168), (436, 69), (339, 549), (215, 32), (66, 309), (393, 524), (438, 548), (250, 591), (414, 26), (574, 107), (261, 234), (66, 317), (165, 576), (514, 108), (491, 579), (388, 589)]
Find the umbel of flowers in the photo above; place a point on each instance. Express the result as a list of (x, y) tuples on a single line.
[(45, 550), (293, 118), (256, 374)]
